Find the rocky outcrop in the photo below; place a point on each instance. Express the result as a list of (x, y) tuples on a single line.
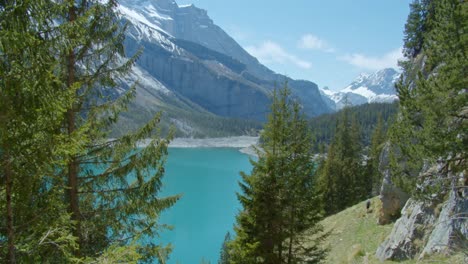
[(425, 228), (435, 223), (393, 198), (409, 233), (451, 229)]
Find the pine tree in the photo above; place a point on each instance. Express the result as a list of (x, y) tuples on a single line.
[(112, 184), (356, 164), (224, 255), (432, 123), (59, 60), (327, 185), (301, 204), (341, 181), (278, 197), (323, 127), (37, 227), (414, 30), (374, 177)]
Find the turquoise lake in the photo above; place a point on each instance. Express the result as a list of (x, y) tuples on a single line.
[(208, 180)]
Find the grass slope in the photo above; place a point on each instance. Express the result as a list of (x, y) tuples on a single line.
[(355, 237)]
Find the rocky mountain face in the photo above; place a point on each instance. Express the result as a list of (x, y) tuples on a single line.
[(366, 88), (201, 68), (434, 225)]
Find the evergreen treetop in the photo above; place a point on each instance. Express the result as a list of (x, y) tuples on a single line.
[(280, 207), (432, 125), (97, 197)]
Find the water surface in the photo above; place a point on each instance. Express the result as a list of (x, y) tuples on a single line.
[(207, 178)]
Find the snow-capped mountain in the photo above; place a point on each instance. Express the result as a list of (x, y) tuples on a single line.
[(199, 67), (367, 88), (191, 23)]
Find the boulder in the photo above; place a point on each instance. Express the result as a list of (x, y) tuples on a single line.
[(393, 198)]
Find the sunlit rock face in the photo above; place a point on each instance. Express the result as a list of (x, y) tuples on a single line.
[(200, 63)]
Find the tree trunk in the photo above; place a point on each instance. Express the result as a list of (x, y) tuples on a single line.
[(10, 228), (73, 181), (291, 238), (280, 248), (73, 165), (291, 241)]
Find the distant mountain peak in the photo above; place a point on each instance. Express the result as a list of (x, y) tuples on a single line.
[(362, 76), (379, 82), (366, 88)]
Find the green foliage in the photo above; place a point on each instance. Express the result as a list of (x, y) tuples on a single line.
[(188, 120), (323, 127), (433, 100), (118, 254), (374, 177), (342, 181), (71, 194), (224, 254), (112, 184), (414, 28), (35, 224), (278, 197)]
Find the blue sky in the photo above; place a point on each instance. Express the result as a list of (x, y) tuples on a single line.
[(328, 42)]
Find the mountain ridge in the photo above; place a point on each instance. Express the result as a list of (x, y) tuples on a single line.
[(196, 61), (377, 87)]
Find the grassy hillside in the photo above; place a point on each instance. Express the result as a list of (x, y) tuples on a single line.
[(355, 237)]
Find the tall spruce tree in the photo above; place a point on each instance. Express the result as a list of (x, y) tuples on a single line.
[(112, 185), (59, 60), (374, 177), (36, 226), (224, 254), (414, 30), (278, 197), (341, 181), (432, 123)]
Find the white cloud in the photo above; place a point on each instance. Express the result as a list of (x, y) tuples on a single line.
[(309, 41), (388, 60), (271, 52)]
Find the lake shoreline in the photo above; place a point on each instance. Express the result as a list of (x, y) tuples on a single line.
[(245, 144), (223, 142)]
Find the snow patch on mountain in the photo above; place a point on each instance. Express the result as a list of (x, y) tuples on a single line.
[(144, 79), (137, 18), (146, 23), (185, 6), (366, 88), (362, 90)]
